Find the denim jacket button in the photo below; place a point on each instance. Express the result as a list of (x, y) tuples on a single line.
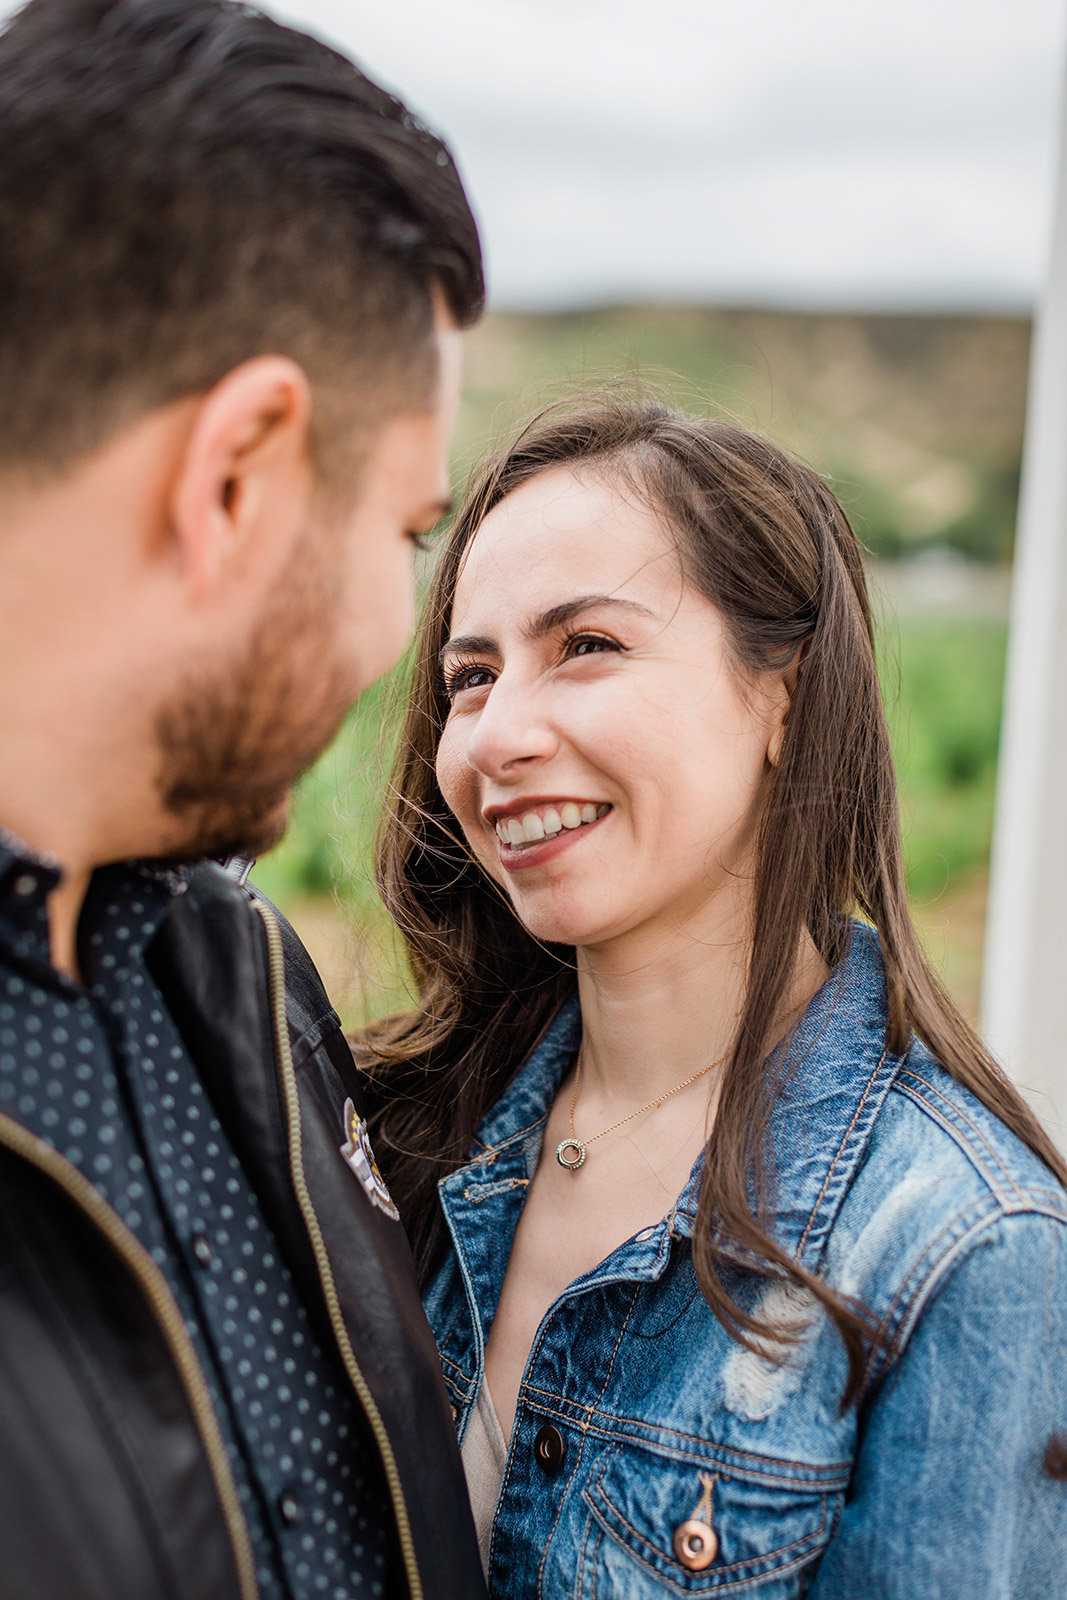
[(549, 1448), (695, 1544)]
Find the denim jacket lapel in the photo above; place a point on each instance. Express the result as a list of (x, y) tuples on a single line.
[(483, 1200), (835, 1081)]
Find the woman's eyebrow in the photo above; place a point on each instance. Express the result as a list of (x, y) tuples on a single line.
[(557, 616), (469, 644), (548, 621)]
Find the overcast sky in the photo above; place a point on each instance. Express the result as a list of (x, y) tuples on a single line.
[(796, 152), (818, 152)]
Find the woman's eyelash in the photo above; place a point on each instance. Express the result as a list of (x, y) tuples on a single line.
[(457, 673), (583, 636)]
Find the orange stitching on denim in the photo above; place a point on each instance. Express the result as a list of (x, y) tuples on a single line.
[(453, 1325), (728, 1456), (736, 1568), (582, 1429), (838, 1153), (559, 1509), (491, 1190), (592, 1525), (910, 1072), (491, 1151), (448, 1362), (596, 1553), (1028, 1201), (982, 1219), (614, 1354)]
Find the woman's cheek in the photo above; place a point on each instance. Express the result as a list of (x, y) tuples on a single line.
[(451, 771)]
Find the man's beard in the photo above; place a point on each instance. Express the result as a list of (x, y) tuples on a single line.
[(233, 742)]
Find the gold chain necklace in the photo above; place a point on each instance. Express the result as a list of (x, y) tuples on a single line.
[(570, 1153)]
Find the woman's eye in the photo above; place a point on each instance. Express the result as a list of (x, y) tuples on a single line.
[(471, 677), (587, 644)]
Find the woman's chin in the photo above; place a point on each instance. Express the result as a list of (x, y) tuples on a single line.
[(573, 925)]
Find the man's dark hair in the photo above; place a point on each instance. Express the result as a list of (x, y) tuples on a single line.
[(185, 184)]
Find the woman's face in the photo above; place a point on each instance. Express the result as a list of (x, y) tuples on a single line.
[(602, 753)]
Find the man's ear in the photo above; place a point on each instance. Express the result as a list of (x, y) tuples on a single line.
[(244, 470)]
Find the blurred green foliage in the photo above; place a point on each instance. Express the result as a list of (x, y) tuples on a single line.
[(943, 683), (329, 845)]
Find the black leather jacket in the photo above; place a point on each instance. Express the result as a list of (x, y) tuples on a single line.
[(115, 1483)]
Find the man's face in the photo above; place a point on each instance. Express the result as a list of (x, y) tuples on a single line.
[(232, 746)]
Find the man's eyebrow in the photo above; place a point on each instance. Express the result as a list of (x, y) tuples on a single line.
[(548, 621), (437, 509)]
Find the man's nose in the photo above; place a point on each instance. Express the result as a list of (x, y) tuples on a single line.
[(513, 731)]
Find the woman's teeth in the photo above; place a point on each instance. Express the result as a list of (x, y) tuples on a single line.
[(537, 825)]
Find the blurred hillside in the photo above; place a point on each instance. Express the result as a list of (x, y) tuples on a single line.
[(918, 420)]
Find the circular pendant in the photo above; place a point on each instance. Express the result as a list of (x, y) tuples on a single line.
[(571, 1154)]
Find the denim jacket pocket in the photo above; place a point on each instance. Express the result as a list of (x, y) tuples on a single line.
[(771, 1520)]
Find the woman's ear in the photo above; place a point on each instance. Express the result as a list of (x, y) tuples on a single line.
[(789, 680), (777, 740), (244, 471)]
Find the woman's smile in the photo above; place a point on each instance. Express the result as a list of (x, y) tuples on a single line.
[(533, 831)]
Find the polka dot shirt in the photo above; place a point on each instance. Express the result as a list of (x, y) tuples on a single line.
[(102, 1074)]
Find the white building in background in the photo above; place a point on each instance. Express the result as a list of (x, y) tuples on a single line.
[(1024, 987)]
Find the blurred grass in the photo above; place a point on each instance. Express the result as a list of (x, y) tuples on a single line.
[(943, 695), (918, 421), (328, 846)]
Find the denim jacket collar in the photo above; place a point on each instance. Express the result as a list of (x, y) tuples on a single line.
[(836, 1077)]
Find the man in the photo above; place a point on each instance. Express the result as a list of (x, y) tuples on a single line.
[(232, 275)]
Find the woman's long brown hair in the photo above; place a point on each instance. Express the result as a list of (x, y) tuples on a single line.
[(765, 540)]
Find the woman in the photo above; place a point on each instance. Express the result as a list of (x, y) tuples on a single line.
[(747, 1267)]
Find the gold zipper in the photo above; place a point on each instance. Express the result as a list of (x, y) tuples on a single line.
[(322, 1260), (89, 1200)]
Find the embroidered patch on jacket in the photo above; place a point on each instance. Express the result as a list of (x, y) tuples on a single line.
[(360, 1157)]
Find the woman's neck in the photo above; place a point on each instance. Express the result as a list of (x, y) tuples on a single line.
[(662, 1004)]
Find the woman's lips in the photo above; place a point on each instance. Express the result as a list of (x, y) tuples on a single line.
[(537, 835), (531, 824)]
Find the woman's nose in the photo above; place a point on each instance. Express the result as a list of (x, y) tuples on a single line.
[(512, 732)]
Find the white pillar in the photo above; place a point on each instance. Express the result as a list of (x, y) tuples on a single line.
[(1024, 987)]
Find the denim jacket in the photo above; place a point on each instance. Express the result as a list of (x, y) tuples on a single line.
[(638, 1411)]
